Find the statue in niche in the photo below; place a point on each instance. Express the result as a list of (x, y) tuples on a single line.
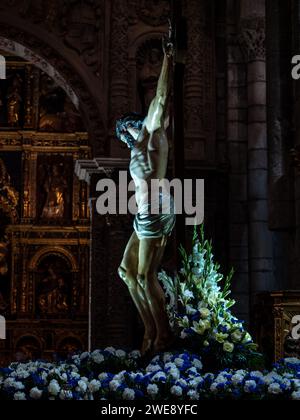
[(149, 65), (52, 100), (53, 297), (14, 100), (9, 197), (55, 187), (57, 113)]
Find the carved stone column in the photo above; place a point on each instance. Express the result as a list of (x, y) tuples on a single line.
[(252, 37), (279, 99), (111, 314), (200, 112), (296, 120), (119, 77)]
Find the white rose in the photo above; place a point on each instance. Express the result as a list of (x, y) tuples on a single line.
[(35, 393), (103, 376)]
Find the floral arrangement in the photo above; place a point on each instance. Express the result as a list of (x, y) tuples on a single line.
[(199, 310), (169, 376)]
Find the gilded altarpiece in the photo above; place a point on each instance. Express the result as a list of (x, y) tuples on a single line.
[(44, 243)]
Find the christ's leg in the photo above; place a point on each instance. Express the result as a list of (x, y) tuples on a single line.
[(128, 272), (150, 255)]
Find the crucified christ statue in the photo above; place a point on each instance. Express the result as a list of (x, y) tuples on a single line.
[(147, 139)]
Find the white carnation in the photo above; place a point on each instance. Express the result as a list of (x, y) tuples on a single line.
[(114, 385), (250, 386), (35, 393), (94, 386), (82, 386), (296, 395), (120, 353), (54, 387), (128, 394), (152, 389), (19, 396), (274, 388), (176, 390), (193, 395), (65, 395)]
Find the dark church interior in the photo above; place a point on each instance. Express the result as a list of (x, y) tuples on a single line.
[(72, 69)]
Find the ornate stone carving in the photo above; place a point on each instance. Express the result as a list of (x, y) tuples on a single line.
[(153, 12), (252, 38), (81, 24), (119, 60), (200, 78)]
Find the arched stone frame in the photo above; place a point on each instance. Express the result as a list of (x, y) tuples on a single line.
[(44, 252), (134, 48), (29, 335), (59, 61), (52, 250), (59, 341)]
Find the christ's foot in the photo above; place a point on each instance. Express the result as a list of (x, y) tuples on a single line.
[(147, 346)]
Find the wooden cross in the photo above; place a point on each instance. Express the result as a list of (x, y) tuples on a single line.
[(179, 39)]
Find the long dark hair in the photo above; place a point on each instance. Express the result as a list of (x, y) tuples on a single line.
[(132, 119)]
